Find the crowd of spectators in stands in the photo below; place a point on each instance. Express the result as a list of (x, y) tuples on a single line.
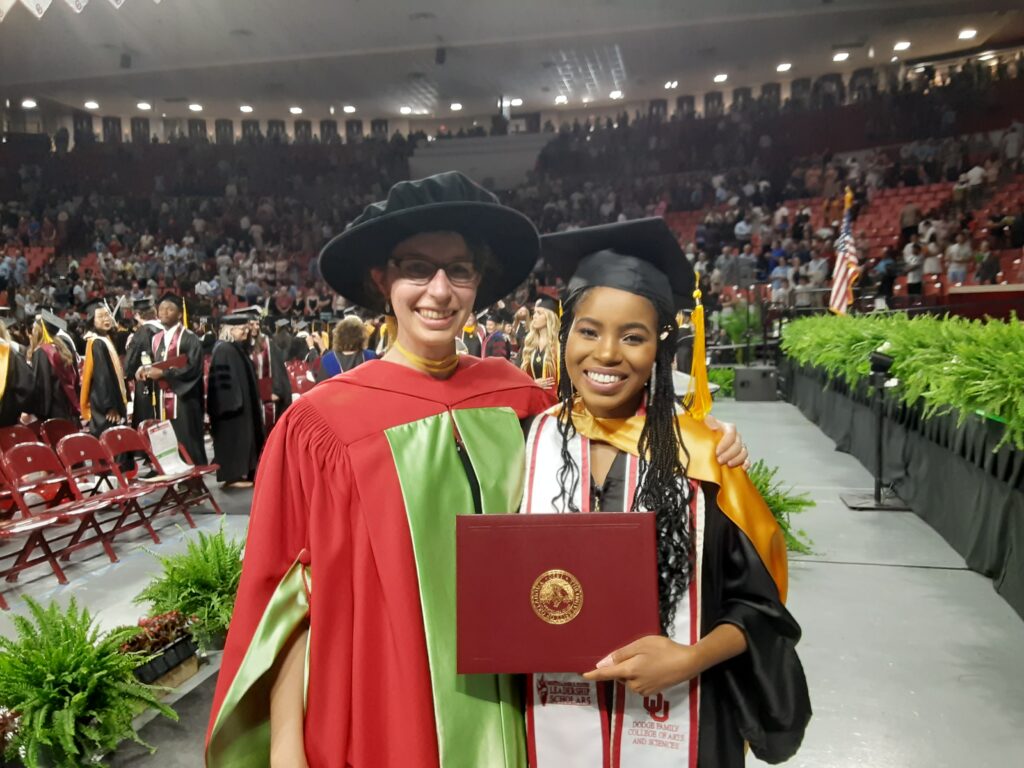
[(230, 225)]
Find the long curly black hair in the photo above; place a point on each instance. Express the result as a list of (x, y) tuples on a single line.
[(663, 486)]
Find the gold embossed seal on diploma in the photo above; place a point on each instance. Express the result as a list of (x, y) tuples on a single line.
[(556, 597)]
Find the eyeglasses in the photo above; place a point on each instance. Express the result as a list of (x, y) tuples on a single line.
[(420, 271)]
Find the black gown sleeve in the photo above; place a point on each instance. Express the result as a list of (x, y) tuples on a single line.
[(282, 384), (766, 685), (141, 341), (44, 383), (182, 380), (105, 392), (227, 377)]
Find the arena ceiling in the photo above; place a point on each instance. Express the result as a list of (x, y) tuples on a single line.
[(382, 56)]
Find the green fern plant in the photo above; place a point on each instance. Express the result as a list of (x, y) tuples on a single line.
[(783, 503), (73, 690), (200, 582), (943, 363), (724, 378)]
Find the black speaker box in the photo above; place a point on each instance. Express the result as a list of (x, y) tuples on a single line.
[(756, 383)]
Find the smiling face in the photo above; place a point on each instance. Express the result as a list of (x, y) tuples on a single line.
[(430, 315), (611, 349)]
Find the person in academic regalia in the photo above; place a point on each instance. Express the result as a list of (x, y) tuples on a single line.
[(539, 354), (180, 393), (139, 355), (473, 337), (284, 341), (104, 398), (496, 343), (271, 373), (362, 478), (348, 348), (724, 672), (55, 382), (233, 404)]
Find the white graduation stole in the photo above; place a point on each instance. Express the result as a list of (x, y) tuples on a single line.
[(569, 720)]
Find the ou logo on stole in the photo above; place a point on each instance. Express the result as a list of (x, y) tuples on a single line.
[(657, 707)]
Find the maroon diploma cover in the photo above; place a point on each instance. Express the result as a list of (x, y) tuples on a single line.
[(552, 593)]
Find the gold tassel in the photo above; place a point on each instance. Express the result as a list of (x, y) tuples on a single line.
[(699, 395), (47, 339), (184, 314)]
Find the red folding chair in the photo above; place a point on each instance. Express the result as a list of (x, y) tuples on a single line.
[(198, 492), (40, 487), (52, 430), (15, 435), (125, 440), (95, 474), (30, 534)]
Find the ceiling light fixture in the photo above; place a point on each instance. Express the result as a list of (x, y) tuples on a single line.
[(894, 59), (456, 107), (295, 110), (331, 109), (561, 99), (902, 45), (587, 99), (145, 106), (245, 108), (406, 110), (987, 56), (91, 105), (195, 107), (721, 78), (28, 104), (671, 84), (784, 67), (615, 95), (516, 102), (968, 34), (348, 109), (840, 56)]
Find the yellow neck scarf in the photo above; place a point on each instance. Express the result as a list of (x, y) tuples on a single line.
[(737, 497), (433, 367)]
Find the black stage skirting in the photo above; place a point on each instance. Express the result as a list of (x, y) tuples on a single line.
[(948, 474)]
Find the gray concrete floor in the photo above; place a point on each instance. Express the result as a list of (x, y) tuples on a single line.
[(912, 660)]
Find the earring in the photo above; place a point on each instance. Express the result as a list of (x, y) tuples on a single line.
[(650, 382), (387, 307)]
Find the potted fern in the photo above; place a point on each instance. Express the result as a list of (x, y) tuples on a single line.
[(73, 692), (783, 503), (201, 583)]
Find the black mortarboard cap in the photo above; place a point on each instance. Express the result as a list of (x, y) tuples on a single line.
[(174, 298), (146, 302), (234, 318), (640, 256), (283, 322), (53, 323), (548, 303)]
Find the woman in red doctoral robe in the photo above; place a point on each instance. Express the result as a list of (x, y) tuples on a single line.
[(342, 646)]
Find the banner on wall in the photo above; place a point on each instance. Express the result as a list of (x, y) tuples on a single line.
[(77, 5)]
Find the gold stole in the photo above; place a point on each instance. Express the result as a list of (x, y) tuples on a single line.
[(88, 369), (737, 496)]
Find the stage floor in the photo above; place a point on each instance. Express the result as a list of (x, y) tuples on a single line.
[(913, 661)]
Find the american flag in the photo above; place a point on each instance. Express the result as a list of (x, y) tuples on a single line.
[(847, 270)]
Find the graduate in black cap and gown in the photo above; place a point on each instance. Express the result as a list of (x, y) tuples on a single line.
[(54, 372), (538, 355), (724, 672), (139, 355), (233, 404), (271, 373), (180, 395), (104, 398), (496, 343)]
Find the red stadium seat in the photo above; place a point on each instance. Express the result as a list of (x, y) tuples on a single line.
[(15, 435), (52, 430)]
